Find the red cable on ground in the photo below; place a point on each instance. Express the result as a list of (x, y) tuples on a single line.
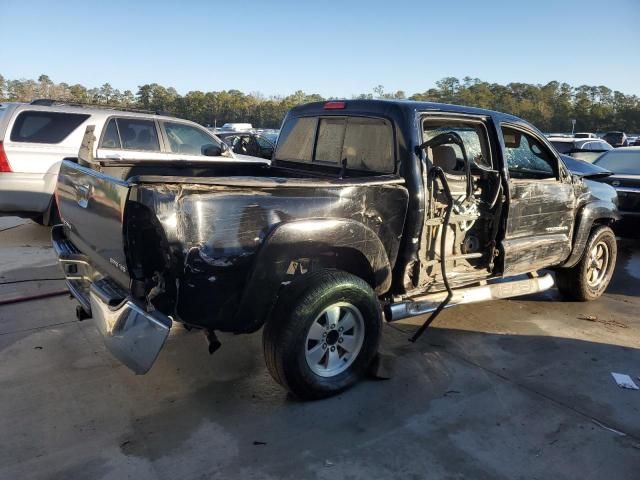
[(38, 296)]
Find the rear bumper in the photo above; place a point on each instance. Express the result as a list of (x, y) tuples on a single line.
[(25, 192), (132, 335)]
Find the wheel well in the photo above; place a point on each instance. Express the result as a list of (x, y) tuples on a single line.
[(148, 267), (607, 222), (348, 260)]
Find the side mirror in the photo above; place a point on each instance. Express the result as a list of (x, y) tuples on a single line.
[(211, 150)]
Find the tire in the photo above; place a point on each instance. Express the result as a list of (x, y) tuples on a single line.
[(590, 277), (323, 334)]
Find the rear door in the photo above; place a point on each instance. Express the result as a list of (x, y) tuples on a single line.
[(541, 203), (92, 208), (130, 138)]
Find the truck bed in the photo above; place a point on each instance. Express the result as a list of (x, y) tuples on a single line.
[(162, 237)]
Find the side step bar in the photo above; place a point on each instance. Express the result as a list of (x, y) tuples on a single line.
[(429, 303)]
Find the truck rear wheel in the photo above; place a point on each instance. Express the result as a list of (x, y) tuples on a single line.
[(323, 334), (590, 277)]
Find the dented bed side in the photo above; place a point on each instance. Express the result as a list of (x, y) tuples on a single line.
[(229, 243)]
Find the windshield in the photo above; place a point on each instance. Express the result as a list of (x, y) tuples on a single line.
[(626, 162)]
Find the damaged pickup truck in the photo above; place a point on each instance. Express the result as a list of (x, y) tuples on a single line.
[(369, 210)]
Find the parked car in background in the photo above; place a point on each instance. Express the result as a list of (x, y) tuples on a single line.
[(248, 143), (587, 149), (616, 139), (558, 135), (270, 134), (585, 135), (625, 165), (237, 127), (35, 137)]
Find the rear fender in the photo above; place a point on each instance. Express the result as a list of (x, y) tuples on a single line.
[(351, 245)]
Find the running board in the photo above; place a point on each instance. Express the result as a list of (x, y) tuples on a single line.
[(429, 303)]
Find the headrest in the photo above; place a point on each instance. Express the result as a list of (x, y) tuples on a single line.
[(144, 136), (128, 134), (444, 156)]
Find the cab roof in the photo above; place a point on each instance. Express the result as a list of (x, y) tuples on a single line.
[(391, 107)]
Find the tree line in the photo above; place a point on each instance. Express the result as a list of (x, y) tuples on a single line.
[(550, 107)]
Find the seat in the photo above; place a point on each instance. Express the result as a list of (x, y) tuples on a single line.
[(144, 140), (444, 156), (128, 137)]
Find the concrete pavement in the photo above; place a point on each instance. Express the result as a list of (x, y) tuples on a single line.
[(510, 389)]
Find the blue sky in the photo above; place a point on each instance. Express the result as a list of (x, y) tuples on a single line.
[(335, 48)]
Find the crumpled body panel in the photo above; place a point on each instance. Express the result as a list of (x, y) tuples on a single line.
[(215, 232)]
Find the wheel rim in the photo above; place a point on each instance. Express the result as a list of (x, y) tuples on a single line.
[(599, 257), (334, 339)]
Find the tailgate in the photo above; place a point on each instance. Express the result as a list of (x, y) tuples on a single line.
[(91, 206)]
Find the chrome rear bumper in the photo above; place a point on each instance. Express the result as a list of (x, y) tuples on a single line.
[(132, 335)]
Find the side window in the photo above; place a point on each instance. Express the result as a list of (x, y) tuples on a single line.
[(187, 139), (263, 142), (526, 157), (138, 134), (111, 139), (449, 157), (45, 127)]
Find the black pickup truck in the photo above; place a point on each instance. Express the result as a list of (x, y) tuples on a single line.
[(368, 210)]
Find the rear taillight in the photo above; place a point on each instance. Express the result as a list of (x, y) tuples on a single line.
[(4, 162)]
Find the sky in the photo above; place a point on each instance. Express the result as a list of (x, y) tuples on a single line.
[(334, 48)]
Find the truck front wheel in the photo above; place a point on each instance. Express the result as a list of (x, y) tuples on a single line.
[(590, 277), (323, 333)]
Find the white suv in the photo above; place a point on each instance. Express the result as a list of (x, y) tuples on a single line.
[(35, 137)]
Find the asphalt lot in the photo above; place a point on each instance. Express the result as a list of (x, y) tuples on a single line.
[(510, 389)]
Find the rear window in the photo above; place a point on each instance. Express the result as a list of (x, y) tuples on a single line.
[(296, 139), (45, 127), (365, 143), (613, 137)]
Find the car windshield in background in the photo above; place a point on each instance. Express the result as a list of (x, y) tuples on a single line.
[(45, 127), (365, 143), (625, 162)]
